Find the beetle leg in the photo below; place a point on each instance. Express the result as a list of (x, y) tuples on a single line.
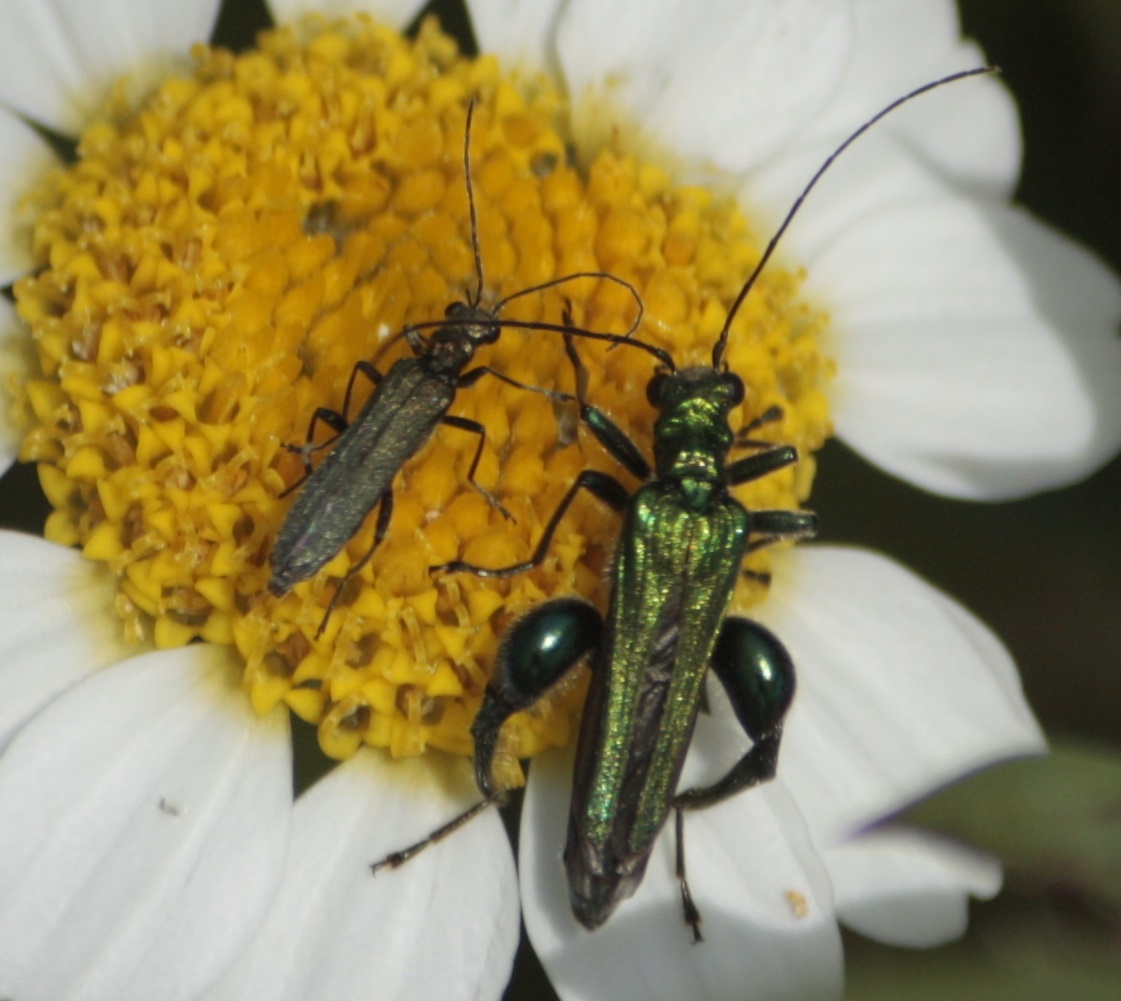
[(605, 487), (369, 371), (466, 424), (758, 676), (691, 912), (333, 418), (761, 464), (757, 577), (335, 421), (385, 512), (536, 652), (402, 855), (743, 435), (781, 526), (606, 431)]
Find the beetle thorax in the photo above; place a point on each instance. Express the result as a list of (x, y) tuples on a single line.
[(691, 434), (451, 347)]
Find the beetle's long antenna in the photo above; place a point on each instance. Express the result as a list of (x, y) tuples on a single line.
[(661, 356), (478, 297), (722, 342), (605, 275)]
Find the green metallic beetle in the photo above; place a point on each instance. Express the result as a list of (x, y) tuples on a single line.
[(680, 553), (683, 540)]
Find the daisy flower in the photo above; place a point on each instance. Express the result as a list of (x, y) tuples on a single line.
[(237, 231)]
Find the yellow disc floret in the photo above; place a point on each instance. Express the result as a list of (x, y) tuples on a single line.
[(214, 264)]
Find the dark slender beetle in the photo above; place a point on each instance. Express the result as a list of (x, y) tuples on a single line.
[(401, 415), (680, 552)]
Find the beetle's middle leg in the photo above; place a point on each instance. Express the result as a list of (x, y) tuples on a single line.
[(334, 419), (602, 485), (466, 424)]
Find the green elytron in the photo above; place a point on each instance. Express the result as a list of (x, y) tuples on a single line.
[(683, 540)]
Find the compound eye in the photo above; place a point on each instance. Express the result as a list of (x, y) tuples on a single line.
[(735, 389), (655, 388)]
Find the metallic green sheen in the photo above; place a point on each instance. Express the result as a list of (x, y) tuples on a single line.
[(679, 555), (675, 573)]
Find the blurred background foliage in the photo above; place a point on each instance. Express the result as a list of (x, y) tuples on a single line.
[(1045, 573)]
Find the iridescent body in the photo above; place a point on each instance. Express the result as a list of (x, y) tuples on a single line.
[(680, 550), (682, 544)]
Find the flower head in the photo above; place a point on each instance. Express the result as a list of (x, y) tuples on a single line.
[(221, 256)]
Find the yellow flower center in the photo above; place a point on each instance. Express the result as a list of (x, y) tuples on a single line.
[(214, 265)]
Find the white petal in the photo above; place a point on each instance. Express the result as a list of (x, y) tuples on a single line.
[(909, 888), (519, 33), (24, 159), (396, 13), (57, 625), (768, 919), (968, 130), (59, 58), (977, 350), (884, 168), (872, 175), (146, 822), (444, 925), (900, 689), (727, 82)]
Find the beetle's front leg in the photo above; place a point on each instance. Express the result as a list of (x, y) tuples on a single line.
[(603, 485), (536, 652)]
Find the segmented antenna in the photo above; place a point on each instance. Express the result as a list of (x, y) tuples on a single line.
[(660, 356), (722, 342), (478, 297), (497, 308)]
